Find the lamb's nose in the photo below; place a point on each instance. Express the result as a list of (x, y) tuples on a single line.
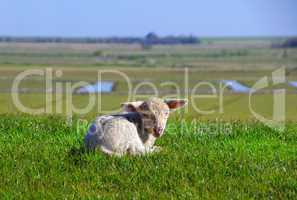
[(159, 130)]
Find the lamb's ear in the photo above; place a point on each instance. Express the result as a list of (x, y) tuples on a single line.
[(176, 103), (131, 106)]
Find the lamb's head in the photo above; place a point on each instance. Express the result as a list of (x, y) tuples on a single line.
[(154, 112)]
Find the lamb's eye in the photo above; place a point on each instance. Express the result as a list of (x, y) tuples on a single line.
[(145, 115), (144, 106)]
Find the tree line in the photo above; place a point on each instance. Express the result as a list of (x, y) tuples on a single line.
[(149, 39)]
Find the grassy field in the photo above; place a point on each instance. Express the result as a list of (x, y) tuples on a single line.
[(230, 106), (219, 54), (225, 154), (42, 157)]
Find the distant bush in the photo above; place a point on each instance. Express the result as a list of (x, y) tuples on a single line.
[(98, 53), (288, 43), (152, 39)]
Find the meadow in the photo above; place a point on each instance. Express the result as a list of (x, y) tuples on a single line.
[(43, 157), (225, 154)]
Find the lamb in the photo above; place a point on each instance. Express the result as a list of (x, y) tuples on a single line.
[(134, 131)]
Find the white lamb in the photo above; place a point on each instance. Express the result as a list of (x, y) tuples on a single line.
[(134, 131)]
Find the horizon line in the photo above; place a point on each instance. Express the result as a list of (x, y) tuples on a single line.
[(131, 36)]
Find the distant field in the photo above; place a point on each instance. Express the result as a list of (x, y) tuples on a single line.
[(243, 59), (212, 54), (234, 107)]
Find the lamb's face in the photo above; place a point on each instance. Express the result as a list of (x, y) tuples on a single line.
[(154, 112)]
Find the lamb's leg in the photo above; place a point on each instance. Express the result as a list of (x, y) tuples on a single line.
[(109, 152), (141, 149)]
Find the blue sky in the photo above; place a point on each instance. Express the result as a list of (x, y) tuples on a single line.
[(137, 17)]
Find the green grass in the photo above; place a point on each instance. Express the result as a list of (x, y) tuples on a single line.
[(233, 106), (42, 157)]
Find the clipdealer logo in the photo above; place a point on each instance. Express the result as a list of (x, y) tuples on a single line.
[(279, 100), (217, 94)]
